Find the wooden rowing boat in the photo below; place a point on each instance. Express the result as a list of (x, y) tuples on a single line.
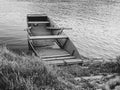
[(49, 42)]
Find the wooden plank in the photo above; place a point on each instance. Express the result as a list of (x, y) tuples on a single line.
[(50, 51), (53, 28), (56, 62), (73, 61), (47, 37), (93, 77), (36, 15), (55, 56), (59, 58), (57, 28), (64, 62), (38, 22)]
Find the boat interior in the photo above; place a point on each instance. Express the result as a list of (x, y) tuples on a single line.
[(47, 41)]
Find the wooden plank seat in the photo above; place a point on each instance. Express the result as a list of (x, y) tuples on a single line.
[(47, 37), (57, 28), (53, 56), (36, 15), (59, 58), (38, 22)]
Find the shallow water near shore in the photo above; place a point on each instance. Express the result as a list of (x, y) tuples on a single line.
[(95, 24)]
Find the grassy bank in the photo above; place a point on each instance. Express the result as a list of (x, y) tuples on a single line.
[(28, 73), (22, 72)]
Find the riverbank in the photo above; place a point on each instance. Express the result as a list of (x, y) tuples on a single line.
[(30, 73)]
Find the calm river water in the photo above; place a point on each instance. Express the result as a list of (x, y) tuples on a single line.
[(95, 24)]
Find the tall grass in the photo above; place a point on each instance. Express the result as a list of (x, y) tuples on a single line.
[(29, 73), (24, 72)]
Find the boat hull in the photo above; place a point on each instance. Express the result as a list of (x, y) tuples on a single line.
[(49, 41)]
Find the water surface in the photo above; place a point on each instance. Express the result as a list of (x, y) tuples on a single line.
[(95, 23)]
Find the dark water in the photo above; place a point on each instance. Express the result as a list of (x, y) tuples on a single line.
[(95, 23)]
